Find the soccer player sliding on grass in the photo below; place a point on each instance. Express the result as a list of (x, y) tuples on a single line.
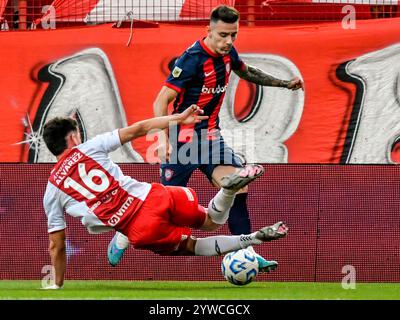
[(201, 76), (86, 184)]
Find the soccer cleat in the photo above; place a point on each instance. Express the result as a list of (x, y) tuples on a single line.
[(242, 177), (114, 254), (265, 265), (276, 231)]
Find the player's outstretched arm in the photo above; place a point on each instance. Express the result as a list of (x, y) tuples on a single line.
[(164, 98), (160, 107), (257, 76), (58, 255), (191, 115)]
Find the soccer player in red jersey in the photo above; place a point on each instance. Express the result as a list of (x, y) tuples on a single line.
[(87, 184)]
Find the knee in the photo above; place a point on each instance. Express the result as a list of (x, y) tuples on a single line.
[(190, 246), (209, 225), (187, 248)]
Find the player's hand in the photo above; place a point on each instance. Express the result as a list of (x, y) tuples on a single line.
[(53, 287), (295, 84), (192, 115)]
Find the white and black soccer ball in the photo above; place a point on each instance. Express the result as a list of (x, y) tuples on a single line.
[(240, 267)]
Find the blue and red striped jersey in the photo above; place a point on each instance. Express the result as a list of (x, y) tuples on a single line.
[(201, 77)]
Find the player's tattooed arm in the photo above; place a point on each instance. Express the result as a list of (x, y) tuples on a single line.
[(257, 76)]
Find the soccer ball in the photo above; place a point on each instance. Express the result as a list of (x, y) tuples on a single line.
[(240, 267)]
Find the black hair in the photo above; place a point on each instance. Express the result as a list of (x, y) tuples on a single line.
[(224, 13), (55, 132)]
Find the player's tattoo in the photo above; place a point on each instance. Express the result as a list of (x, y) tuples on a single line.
[(258, 76)]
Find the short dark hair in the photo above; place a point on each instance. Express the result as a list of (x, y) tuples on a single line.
[(55, 131), (224, 13)]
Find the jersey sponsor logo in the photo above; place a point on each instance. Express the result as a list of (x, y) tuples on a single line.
[(107, 198), (114, 220), (219, 89), (168, 174), (176, 72), (94, 207), (116, 217)]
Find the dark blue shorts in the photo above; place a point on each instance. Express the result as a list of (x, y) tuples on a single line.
[(204, 155)]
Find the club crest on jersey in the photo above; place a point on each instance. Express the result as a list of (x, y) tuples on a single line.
[(176, 72), (168, 174), (228, 67)]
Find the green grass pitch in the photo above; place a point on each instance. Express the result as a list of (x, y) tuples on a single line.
[(159, 290)]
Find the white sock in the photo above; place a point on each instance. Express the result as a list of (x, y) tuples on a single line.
[(122, 241), (248, 240), (218, 245), (218, 208)]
